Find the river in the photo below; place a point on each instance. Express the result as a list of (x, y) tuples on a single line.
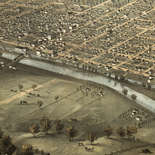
[(141, 99)]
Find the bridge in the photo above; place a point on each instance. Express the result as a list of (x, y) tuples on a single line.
[(16, 59)]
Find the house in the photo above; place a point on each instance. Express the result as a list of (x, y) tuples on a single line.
[(55, 54), (2, 63), (19, 48), (151, 77), (150, 71), (148, 81), (113, 63), (14, 68), (49, 37), (88, 89), (135, 111), (99, 65), (138, 118), (70, 27), (38, 53)]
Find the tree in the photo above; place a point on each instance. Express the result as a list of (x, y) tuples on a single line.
[(143, 84), (135, 124), (77, 65), (130, 131), (92, 137), (71, 132), (58, 125), (122, 78), (109, 75), (125, 91), (20, 87), (1, 133), (40, 103), (116, 77), (108, 131), (148, 86), (27, 150), (6, 142), (133, 96), (46, 124), (83, 66), (56, 97), (34, 128), (34, 86), (77, 89), (121, 131)]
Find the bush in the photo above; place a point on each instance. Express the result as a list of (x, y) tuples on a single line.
[(125, 91)]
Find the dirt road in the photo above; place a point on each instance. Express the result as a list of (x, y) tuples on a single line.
[(8, 100)]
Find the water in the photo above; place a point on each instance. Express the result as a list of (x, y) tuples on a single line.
[(9, 56), (60, 61), (141, 99)]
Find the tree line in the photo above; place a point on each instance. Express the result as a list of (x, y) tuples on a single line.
[(71, 132), (34, 128)]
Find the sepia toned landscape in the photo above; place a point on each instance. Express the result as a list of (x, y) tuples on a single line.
[(77, 77)]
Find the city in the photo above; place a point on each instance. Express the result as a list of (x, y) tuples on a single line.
[(80, 53)]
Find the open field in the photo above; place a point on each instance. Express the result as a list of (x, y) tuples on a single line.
[(91, 114)]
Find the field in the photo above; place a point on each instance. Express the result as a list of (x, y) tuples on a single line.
[(85, 113)]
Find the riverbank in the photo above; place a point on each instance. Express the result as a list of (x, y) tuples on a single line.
[(91, 113), (135, 86), (142, 99), (25, 69)]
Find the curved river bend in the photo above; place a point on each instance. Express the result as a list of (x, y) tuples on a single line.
[(141, 99)]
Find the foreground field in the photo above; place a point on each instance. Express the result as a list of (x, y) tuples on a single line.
[(85, 113)]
